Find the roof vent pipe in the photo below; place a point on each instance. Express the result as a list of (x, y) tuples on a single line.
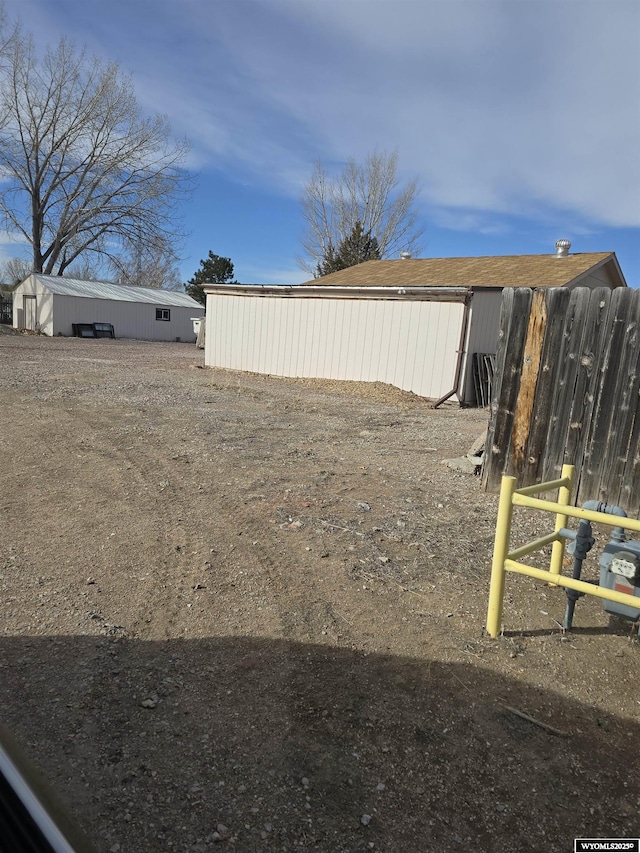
[(405, 256), (562, 248)]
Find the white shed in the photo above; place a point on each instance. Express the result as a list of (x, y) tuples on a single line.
[(54, 305), (413, 323)]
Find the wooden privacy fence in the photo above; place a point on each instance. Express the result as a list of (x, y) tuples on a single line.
[(566, 391)]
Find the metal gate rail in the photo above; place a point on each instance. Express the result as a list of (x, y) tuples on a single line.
[(507, 561)]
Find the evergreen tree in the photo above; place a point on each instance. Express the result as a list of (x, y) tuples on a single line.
[(357, 247), (213, 270)]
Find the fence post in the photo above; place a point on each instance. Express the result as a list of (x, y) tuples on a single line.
[(564, 498), (500, 551)]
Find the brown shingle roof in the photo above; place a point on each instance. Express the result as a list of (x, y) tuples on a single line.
[(500, 271)]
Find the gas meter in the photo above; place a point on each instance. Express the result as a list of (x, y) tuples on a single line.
[(619, 564), (620, 571)]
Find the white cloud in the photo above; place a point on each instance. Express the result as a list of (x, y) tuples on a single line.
[(459, 220), (498, 107), (254, 274), (12, 238), (4, 257), (503, 107)]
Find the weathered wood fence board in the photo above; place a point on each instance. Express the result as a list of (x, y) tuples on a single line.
[(567, 390), (577, 400), (625, 451), (514, 318), (557, 304)]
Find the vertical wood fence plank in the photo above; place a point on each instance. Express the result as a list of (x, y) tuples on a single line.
[(537, 450), (602, 428), (575, 318), (514, 322), (492, 466), (630, 486), (625, 377), (585, 393), (528, 382), (632, 504)]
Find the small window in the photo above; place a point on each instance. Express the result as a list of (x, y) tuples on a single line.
[(163, 314)]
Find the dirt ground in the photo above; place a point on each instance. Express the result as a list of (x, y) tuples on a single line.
[(245, 612)]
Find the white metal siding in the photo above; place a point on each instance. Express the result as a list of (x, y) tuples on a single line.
[(56, 314), (482, 336), (45, 313), (129, 319), (410, 344)]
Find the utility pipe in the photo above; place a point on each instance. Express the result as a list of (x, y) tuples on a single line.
[(617, 534), (461, 354), (584, 542)]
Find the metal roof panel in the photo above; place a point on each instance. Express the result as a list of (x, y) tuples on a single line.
[(119, 292)]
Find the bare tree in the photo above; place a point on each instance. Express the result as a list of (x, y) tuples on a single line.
[(149, 263), (15, 270), (8, 34), (85, 269), (368, 193), (84, 172)]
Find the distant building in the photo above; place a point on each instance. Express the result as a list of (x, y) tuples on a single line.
[(54, 305)]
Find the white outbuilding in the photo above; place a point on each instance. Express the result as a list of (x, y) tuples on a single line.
[(54, 305), (426, 325)]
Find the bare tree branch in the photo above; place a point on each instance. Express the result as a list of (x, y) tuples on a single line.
[(149, 264), (83, 170), (15, 270), (368, 193)]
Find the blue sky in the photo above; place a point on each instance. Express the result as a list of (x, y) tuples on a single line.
[(520, 119)]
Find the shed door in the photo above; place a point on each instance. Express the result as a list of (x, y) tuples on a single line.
[(30, 315)]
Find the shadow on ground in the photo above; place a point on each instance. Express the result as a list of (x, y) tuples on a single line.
[(289, 745)]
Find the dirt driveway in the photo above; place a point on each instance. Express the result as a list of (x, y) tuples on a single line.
[(247, 612)]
